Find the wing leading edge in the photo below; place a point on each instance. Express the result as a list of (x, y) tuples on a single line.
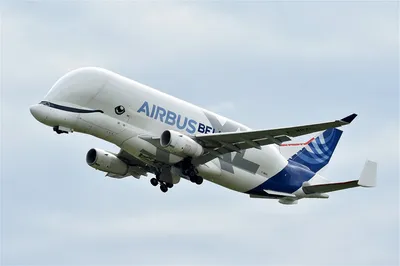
[(218, 144)]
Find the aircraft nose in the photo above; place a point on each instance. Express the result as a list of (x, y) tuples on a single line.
[(38, 112)]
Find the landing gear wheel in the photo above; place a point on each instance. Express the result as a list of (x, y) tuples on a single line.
[(193, 179), (154, 181), (163, 188), (169, 185), (192, 173), (199, 180)]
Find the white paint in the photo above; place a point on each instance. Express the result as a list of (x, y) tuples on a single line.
[(100, 89)]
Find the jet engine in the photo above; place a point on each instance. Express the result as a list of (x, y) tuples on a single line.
[(107, 162), (180, 144)]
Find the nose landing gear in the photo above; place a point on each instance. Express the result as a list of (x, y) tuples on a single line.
[(62, 130)]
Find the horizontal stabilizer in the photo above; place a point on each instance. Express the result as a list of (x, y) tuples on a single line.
[(329, 187), (367, 179)]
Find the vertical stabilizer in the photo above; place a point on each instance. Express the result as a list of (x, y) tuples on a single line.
[(318, 152)]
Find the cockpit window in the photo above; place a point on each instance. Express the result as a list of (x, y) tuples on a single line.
[(45, 103)]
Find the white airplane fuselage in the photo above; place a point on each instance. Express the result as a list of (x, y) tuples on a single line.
[(119, 110)]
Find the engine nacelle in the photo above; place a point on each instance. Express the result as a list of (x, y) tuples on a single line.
[(107, 162), (180, 144)]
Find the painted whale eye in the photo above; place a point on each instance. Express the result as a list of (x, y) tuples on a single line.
[(119, 110)]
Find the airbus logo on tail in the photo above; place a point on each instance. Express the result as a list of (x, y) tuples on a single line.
[(171, 118)]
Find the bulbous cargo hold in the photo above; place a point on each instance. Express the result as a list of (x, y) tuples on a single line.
[(180, 144)]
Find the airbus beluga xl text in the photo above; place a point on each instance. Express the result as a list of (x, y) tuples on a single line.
[(173, 139)]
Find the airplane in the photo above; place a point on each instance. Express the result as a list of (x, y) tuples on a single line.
[(172, 139)]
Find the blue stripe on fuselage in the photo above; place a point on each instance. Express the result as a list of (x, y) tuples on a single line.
[(288, 180)]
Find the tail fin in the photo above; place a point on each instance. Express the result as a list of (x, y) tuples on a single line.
[(318, 152)]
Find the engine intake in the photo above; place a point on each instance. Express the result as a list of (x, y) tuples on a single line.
[(180, 144), (107, 162)]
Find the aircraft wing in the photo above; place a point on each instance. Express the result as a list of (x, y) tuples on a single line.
[(218, 144), (137, 168)]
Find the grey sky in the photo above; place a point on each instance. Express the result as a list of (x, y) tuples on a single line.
[(265, 64)]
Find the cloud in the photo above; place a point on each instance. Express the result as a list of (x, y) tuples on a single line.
[(178, 29), (153, 32), (222, 107)]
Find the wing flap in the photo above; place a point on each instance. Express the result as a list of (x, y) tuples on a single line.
[(116, 176), (217, 150), (137, 168)]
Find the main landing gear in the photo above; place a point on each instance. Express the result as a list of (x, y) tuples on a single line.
[(164, 175), (193, 177), (189, 170), (163, 185)]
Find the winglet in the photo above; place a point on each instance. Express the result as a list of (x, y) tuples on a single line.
[(349, 119), (368, 175)]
